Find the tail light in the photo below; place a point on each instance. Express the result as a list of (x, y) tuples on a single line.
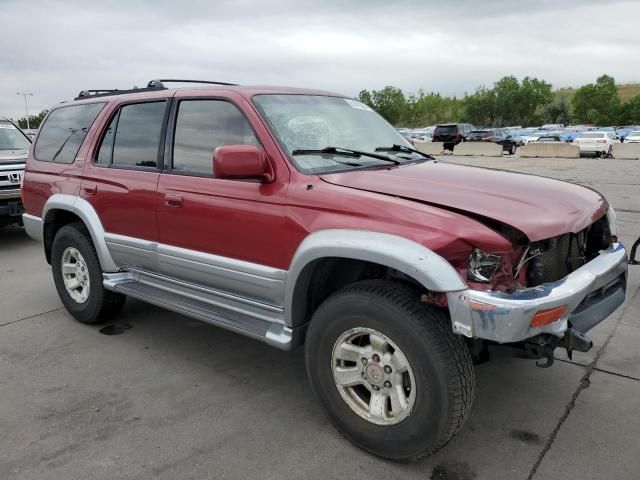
[(458, 136), (602, 141), (433, 137)]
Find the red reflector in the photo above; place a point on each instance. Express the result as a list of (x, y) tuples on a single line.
[(602, 141), (545, 317)]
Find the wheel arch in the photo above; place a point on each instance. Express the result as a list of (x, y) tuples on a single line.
[(360, 251), (62, 209)]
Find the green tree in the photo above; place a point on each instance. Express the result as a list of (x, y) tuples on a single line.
[(390, 103), (365, 97), (557, 112), (534, 94), (480, 107), (629, 113), (597, 103), (34, 120)]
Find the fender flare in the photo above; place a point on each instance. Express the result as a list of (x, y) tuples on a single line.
[(84, 210), (418, 262)]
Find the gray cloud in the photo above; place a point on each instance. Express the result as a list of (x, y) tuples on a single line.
[(56, 49)]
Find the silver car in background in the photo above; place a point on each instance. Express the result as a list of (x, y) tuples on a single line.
[(14, 148)]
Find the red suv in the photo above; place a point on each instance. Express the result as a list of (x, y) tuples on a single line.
[(302, 217)]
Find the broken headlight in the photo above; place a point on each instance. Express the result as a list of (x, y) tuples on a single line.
[(482, 265)]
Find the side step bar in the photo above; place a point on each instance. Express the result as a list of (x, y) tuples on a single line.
[(191, 301)]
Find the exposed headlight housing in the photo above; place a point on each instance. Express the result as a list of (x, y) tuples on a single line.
[(612, 219), (482, 265)]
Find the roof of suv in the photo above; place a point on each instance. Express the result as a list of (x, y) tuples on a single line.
[(244, 90)]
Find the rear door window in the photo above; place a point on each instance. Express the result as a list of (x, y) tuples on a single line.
[(132, 139), (64, 131)]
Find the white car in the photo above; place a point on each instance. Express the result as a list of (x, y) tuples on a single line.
[(600, 143), (633, 137)]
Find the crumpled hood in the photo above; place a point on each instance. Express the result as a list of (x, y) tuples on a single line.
[(539, 207)]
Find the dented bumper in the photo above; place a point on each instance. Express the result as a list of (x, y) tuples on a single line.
[(585, 297)]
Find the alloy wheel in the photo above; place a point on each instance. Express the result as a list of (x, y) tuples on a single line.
[(373, 376)]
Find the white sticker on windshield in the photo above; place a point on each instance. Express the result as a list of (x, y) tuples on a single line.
[(7, 125), (358, 105)]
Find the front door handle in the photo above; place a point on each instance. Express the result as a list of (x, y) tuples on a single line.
[(90, 189), (173, 200)]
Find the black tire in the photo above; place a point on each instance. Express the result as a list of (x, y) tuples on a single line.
[(512, 149), (440, 360), (101, 303)]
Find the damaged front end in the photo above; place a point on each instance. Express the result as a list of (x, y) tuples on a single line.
[(573, 282)]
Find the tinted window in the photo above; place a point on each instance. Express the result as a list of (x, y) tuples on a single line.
[(106, 148), (137, 135), (201, 127), (64, 131), (447, 130)]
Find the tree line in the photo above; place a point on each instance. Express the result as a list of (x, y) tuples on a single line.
[(34, 120), (509, 102)]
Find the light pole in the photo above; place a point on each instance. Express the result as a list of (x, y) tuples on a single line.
[(26, 105)]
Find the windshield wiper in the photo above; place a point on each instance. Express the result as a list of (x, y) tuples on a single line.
[(402, 148), (345, 152)]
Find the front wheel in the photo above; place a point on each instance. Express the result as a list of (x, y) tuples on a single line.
[(388, 370), (78, 276)]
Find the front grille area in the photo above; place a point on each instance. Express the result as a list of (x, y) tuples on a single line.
[(555, 258)]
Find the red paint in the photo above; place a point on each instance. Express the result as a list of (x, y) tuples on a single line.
[(537, 206), (266, 222)]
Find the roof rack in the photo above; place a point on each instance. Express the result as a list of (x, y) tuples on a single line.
[(153, 85), (159, 83)]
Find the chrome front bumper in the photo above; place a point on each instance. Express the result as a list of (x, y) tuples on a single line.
[(591, 294)]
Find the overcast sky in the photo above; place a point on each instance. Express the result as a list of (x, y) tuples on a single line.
[(54, 49)]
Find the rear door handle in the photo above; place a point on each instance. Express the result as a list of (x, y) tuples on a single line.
[(90, 189), (173, 200)]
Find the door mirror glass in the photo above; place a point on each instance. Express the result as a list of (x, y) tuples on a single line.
[(241, 162)]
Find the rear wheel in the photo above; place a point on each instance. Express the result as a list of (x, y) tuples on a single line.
[(78, 276), (388, 370)]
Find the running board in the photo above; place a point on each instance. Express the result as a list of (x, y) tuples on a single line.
[(238, 315)]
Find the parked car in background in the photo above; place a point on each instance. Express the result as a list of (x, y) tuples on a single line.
[(519, 135), (422, 135), (623, 132), (552, 126), (549, 138), (452, 134), (14, 148), (599, 143), (633, 137), (533, 136), (496, 136)]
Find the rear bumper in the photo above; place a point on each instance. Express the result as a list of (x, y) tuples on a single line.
[(590, 294), (594, 148)]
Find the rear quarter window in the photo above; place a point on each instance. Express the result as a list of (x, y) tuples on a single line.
[(64, 131)]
